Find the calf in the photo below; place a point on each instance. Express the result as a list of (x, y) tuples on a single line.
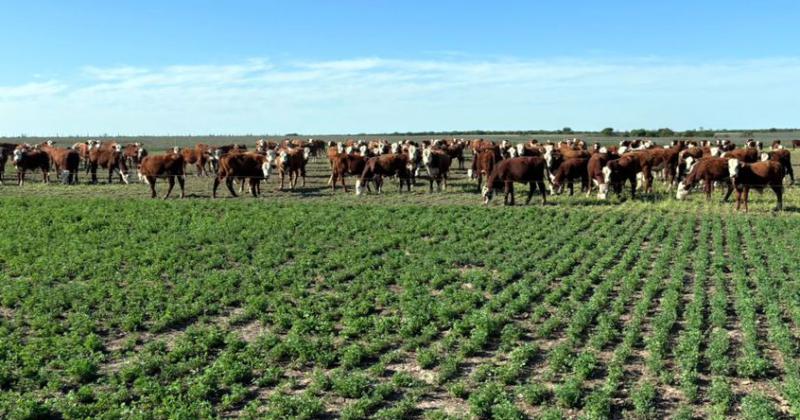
[(594, 168), (292, 162), (64, 160), (244, 166), (709, 170), (378, 167), (110, 159), (346, 164), (526, 169), (483, 164), (756, 175), (569, 171), (437, 163), (169, 166), (784, 157), (32, 160), (616, 172)]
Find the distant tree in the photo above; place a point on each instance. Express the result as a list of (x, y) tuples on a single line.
[(608, 131), (665, 132), (773, 130), (639, 132), (566, 130)]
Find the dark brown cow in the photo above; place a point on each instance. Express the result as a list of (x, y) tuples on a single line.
[(756, 175), (483, 164), (6, 151), (30, 160), (346, 164), (617, 172), (569, 171), (292, 162), (709, 170), (795, 144), (378, 167), (169, 166), (745, 154), (64, 160), (437, 164), (594, 168), (526, 169), (455, 149), (784, 157), (110, 159), (251, 167)]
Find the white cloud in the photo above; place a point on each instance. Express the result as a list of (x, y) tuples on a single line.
[(376, 94)]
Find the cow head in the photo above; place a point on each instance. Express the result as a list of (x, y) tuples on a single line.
[(622, 149), (394, 148), (682, 191), (339, 147), (733, 167), (117, 147), (306, 153), (176, 150), (486, 193), (764, 157), (283, 160), (140, 153), (266, 167), (359, 190), (17, 155), (426, 157)]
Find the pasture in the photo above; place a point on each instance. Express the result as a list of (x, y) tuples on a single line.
[(309, 304)]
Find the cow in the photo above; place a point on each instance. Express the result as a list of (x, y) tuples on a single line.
[(569, 171), (110, 159), (709, 170), (784, 157), (745, 154), (795, 144), (346, 164), (378, 167), (756, 175), (199, 156), (437, 164), (244, 166), (32, 160), (6, 151), (526, 169), (216, 152), (455, 149), (292, 162), (169, 166), (616, 172), (63, 160), (133, 154), (483, 164)]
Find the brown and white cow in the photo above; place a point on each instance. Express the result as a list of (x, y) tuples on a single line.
[(199, 156), (134, 153), (292, 162), (745, 176), (568, 172), (63, 160), (250, 167), (346, 164), (594, 168), (108, 158), (782, 156), (30, 160), (795, 144), (617, 172), (527, 169), (378, 167), (709, 170), (6, 151), (437, 164), (167, 166), (483, 164)]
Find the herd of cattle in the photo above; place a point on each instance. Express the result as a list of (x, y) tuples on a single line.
[(683, 164)]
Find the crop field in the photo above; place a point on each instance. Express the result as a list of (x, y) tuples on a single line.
[(313, 304)]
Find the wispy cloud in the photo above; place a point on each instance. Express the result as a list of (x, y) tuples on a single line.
[(377, 94)]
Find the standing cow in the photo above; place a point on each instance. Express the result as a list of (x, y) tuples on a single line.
[(169, 166), (110, 158), (437, 164), (64, 160), (526, 169), (250, 167), (756, 175), (32, 160)]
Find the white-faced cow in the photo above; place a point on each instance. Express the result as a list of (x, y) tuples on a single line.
[(30, 160), (250, 167), (167, 166), (64, 160), (108, 158), (527, 169), (745, 176), (292, 162), (709, 171), (378, 167)]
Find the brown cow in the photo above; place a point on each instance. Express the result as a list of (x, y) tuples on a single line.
[(292, 162), (455, 149), (784, 157), (134, 153), (569, 171), (244, 166), (63, 160), (616, 172), (199, 156), (795, 144), (437, 164), (709, 170), (483, 164), (110, 159), (594, 168), (526, 169), (32, 160), (756, 175), (346, 164), (169, 166), (390, 164), (6, 151), (745, 154)]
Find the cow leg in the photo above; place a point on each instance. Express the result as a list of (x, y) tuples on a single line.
[(728, 193), (214, 187), (480, 179), (229, 184), (303, 175), (332, 181), (181, 181), (746, 198), (242, 181), (171, 182), (707, 189), (530, 192), (20, 178), (430, 180), (151, 181)]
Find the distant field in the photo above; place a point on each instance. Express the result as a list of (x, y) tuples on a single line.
[(310, 304)]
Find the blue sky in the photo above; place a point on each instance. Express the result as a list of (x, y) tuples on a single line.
[(178, 67)]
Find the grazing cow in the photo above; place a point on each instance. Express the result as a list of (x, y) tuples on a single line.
[(244, 166), (709, 170), (32, 160), (616, 172), (346, 164), (594, 168), (526, 169), (437, 164), (6, 151), (483, 164), (169, 166), (292, 162), (63, 160), (756, 175), (378, 167), (569, 171), (110, 159), (199, 156), (784, 157)]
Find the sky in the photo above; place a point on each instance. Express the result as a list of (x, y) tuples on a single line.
[(334, 67)]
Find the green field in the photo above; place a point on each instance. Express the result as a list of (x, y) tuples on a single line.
[(314, 304)]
